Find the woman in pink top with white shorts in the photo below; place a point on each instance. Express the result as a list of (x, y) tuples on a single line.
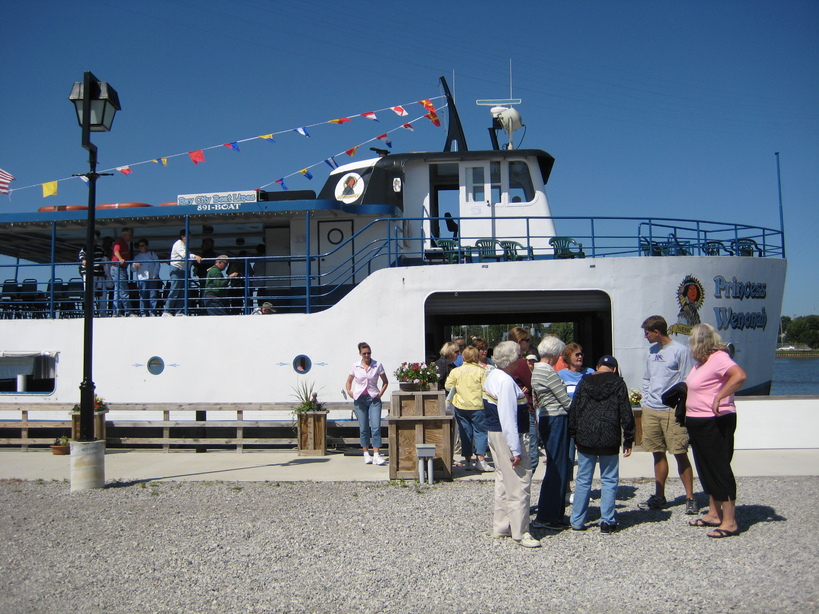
[(711, 420)]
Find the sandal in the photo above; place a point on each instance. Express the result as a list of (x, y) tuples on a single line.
[(720, 533), (457, 464), (700, 522)]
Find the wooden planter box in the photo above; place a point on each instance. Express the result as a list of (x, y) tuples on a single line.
[(99, 425), (419, 417), (312, 433), (638, 422)]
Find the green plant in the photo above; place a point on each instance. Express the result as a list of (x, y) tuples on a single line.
[(61, 441), (99, 405), (417, 373), (307, 397)]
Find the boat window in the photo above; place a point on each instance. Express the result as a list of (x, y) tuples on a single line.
[(27, 374), (495, 175), (475, 191), (521, 189)]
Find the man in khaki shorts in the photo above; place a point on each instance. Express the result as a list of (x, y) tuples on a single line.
[(668, 363)]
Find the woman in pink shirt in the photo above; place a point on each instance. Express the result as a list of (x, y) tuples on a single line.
[(711, 420), (362, 386)]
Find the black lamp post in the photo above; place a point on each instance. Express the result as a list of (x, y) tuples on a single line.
[(96, 103)]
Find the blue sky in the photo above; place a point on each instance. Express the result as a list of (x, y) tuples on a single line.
[(671, 109)]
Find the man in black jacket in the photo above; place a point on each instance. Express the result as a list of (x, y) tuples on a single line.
[(600, 417)]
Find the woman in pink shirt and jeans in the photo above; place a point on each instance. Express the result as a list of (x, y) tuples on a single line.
[(711, 420), (362, 386)]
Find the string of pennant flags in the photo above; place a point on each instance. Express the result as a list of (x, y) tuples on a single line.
[(198, 156)]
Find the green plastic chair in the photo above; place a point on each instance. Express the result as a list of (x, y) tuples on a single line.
[(745, 247), (566, 247), (511, 248), (449, 249), (487, 249), (713, 248)]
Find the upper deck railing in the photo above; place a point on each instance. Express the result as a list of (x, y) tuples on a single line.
[(55, 290)]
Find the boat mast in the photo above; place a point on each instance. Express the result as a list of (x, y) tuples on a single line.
[(455, 132)]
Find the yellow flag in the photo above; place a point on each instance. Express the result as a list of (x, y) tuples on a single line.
[(50, 189)]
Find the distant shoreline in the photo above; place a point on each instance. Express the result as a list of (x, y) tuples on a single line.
[(798, 354)]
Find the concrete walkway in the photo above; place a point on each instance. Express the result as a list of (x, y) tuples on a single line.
[(287, 466)]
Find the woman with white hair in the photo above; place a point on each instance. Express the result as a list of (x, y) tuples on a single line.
[(552, 401), (507, 425), (711, 419)]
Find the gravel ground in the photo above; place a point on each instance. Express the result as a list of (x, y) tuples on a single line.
[(397, 547)]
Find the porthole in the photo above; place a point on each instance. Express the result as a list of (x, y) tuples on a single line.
[(156, 365), (302, 364)]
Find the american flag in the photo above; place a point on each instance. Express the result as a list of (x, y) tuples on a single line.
[(5, 179)]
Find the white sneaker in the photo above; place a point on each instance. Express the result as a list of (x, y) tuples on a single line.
[(527, 541), (483, 465), (378, 459), (368, 459)]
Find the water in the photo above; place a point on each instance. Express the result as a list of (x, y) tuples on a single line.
[(795, 376)]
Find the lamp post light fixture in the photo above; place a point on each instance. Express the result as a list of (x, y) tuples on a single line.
[(96, 103)]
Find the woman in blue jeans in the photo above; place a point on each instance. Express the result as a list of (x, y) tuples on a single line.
[(362, 386)]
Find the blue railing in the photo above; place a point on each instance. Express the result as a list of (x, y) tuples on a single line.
[(55, 290)]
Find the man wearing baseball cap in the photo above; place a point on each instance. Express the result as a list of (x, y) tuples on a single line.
[(600, 418)]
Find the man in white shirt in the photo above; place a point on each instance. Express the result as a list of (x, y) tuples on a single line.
[(179, 257)]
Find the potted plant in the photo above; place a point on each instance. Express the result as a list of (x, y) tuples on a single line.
[(100, 409), (61, 446), (311, 421), (416, 375)]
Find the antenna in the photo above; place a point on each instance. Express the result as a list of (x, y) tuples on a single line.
[(504, 117)]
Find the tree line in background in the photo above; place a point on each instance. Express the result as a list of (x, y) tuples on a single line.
[(495, 333), (802, 330)]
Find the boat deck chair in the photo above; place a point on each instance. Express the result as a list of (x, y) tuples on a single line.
[(566, 247)]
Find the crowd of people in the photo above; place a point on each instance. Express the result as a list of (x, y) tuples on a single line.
[(130, 284), (582, 416)]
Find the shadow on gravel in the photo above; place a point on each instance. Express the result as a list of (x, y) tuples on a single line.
[(749, 515), (632, 518), (291, 463)]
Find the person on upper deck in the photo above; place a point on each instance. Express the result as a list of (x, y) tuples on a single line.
[(179, 258), (216, 287), (120, 258), (146, 268)]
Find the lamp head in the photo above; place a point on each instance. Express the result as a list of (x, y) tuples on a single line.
[(103, 102)]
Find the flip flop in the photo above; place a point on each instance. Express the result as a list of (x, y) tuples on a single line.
[(720, 533), (457, 464), (699, 522)]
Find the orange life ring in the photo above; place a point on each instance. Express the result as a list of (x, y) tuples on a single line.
[(64, 208), (170, 203), (122, 205)]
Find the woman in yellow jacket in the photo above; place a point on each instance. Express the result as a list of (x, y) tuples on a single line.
[(467, 380)]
